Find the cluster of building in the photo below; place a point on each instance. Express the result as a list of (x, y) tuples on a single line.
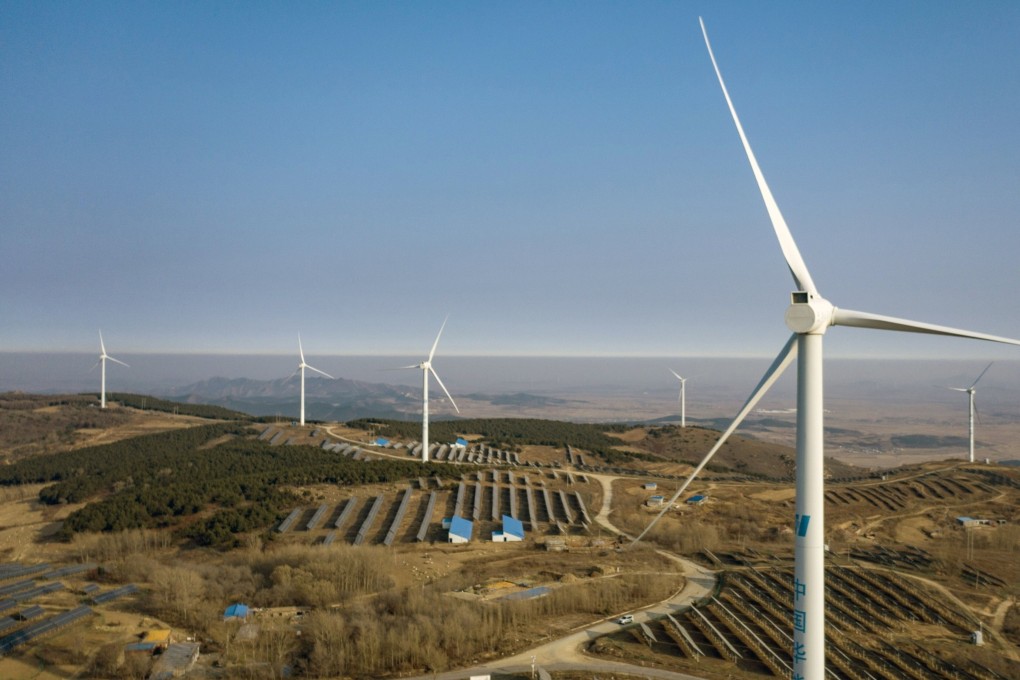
[(460, 530)]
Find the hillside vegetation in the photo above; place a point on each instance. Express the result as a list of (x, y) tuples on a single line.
[(512, 433), (166, 479)]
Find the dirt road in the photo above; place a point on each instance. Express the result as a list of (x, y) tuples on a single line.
[(566, 653)]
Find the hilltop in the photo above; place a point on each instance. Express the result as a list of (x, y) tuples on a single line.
[(338, 537)]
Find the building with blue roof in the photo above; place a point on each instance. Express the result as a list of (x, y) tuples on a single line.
[(513, 530), (460, 529), (382, 441), (461, 442), (697, 499), (235, 611)]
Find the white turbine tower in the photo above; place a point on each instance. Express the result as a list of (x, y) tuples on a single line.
[(103, 358), (808, 316), (426, 368), (683, 398), (301, 369), (970, 393)]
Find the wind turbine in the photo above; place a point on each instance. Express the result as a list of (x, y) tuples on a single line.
[(809, 317), (426, 368), (301, 368), (970, 393), (683, 398), (103, 357)]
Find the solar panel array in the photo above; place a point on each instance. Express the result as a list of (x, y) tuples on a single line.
[(14, 599), (366, 526), (32, 631), (116, 593), (286, 524), (398, 518)]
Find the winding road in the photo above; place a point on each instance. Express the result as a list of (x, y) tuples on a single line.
[(566, 653)]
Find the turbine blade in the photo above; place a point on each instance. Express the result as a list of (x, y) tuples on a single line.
[(436, 376), (781, 363), (794, 260), (435, 344), (313, 368), (300, 349), (102, 347), (848, 317), (957, 389), (117, 361), (96, 364), (981, 376)]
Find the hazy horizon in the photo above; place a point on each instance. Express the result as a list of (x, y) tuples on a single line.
[(714, 383)]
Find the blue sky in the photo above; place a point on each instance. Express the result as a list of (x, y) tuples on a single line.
[(561, 178)]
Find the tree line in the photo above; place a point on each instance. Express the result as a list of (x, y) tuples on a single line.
[(510, 433), (165, 479), (147, 403)]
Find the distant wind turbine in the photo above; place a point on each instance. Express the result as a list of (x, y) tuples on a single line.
[(301, 368), (809, 317), (683, 398), (426, 368), (103, 358), (970, 393)]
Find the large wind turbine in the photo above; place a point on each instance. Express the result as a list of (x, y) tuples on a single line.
[(808, 316), (301, 368), (970, 393), (103, 357), (426, 368), (683, 398)]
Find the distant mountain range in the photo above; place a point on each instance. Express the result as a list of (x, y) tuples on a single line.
[(339, 399)]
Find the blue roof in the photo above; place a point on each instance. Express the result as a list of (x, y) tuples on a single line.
[(382, 441), (238, 611), (460, 527), (461, 441), (512, 526), (696, 499)]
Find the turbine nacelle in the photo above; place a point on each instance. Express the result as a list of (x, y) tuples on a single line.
[(809, 313)]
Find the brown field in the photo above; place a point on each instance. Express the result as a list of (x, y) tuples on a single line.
[(899, 559)]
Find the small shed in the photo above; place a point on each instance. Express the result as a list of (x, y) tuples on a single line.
[(655, 501), (649, 486), (461, 443), (460, 530), (968, 522), (236, 612), (513, 530), (382, 441), (160, 637), (177, 660), (697, 499)]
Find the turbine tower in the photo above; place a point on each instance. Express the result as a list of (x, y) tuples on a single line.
[(970, 393), (808, 317), (683, 398), (103, 357), (301, 368), (426, 368)]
